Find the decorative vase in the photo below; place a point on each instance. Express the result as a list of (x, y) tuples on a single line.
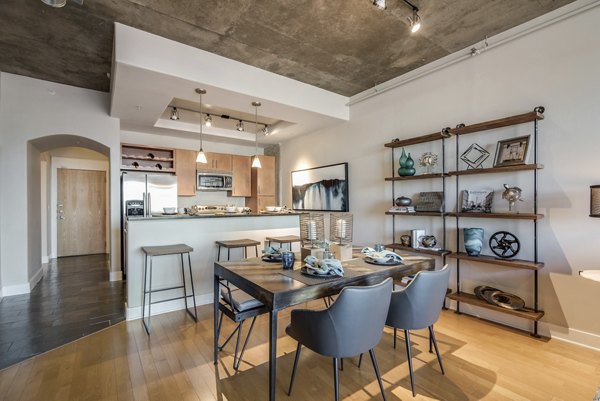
[(403, 201), (403, 159), (410, 164), (473, 240)]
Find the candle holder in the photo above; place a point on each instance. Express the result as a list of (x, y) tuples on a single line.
[(340, 233), (312, 233)]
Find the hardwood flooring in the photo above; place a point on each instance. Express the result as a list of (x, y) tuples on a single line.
[(73, 299), (482, 362)]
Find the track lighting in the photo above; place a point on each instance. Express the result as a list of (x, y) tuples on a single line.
[(201, 158), (415, 22), (266, 131), (208, 120), (174, 114), (256, 160), (239, 126), (380, 4), (60, 3)]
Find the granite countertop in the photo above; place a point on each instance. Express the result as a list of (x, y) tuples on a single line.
[(160, 216)]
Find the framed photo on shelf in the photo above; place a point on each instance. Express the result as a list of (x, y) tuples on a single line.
[(321, 188), (477, 201), (510, 152)]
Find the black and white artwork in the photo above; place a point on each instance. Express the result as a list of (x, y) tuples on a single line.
[(477, 201), (321, 188)]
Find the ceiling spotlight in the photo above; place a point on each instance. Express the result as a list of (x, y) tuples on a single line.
[(208, 120), (174, 114), (55, 3), (415, 21), (266, 131), (380, 4), (239, 126)]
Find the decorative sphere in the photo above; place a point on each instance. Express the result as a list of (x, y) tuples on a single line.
[(403, 201)]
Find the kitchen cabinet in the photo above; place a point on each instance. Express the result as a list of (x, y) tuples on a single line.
[(242, 175), (185, 169), (147, 159), (216, 162), (263, 188)]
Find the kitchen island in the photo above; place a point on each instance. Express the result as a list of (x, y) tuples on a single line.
[(199, 232)]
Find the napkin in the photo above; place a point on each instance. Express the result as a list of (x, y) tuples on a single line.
[(323, 267), (384, 256), (272, 252)]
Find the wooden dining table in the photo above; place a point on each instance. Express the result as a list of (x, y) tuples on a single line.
[(279, 289)]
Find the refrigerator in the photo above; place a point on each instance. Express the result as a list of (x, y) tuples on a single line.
[(144, 195)]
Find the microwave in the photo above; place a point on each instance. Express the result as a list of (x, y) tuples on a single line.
[(208, 181)]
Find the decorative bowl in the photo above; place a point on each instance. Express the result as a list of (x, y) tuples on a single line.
[(230, 209), (169, 210)]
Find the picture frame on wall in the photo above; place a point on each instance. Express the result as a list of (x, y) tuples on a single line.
[(510, 152), (322, 188)]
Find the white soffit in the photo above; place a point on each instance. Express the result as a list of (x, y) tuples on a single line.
[(149, 71)]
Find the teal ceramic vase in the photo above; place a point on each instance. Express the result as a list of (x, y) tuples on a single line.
[(406, 164), (473, 240), (403, 159), (410, 164)]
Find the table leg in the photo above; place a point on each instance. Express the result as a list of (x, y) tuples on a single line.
[(272, 353), (216, 316)]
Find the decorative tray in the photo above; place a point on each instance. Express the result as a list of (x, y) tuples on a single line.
[(390, 262)]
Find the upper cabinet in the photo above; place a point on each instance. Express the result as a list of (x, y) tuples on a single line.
[(185, 169), (264, 177), (147, 159), (241, 171), (216, 162)]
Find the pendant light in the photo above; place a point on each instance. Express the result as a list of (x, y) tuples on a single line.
[(201, 158), (256, 160)]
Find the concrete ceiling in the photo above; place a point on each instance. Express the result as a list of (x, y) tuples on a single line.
[(343, 46)]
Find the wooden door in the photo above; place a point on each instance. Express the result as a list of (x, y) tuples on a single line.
[(265, 176), (241, 172), (185, 170), (81, 212)]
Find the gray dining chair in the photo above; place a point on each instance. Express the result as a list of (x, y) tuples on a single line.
[(238, 306), (353, 324), (417, 306)]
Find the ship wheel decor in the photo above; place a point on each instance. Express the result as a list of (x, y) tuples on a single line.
[(504, 244)]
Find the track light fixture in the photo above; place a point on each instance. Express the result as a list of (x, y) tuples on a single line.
[(240, 126), (380, 4), (201, 158), (208, 120), (266, 131), (174, 114), (60, 3), (256, 160), (414, 20)]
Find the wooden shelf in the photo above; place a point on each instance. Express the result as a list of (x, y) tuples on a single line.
[(158, 159), (418, 250), (516, 263), (499, 123), (507, 215), (415, 140), (526, 313), (430, 214), (491, 170), (148, 169), (415, 177)]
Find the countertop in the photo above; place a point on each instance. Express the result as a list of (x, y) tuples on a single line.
[(211, 215)]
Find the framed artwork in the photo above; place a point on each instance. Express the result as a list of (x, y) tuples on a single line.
[(474, 156), (477, 201), (512, 151), (321, 188)]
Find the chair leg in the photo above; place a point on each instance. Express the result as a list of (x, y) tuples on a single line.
[(229, 338), (296, 358), (336, 379), (144, 294), (195, 316), (395, 337), (342, 364), (237, 344), (376, 367), (432, 339), (236, 367), (409, 356), (359, 360)]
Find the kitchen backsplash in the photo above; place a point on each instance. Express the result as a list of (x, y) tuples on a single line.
[(208, 198)]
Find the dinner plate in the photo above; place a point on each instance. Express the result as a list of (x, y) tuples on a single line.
[(307, 273), (390, 262), (271, 259)]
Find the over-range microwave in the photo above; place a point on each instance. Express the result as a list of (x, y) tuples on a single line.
[(208, 181)]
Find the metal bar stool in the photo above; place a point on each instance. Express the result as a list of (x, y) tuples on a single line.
[(237, 243), (149, 253), (286, 239)]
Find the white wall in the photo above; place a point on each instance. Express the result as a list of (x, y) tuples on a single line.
[(33, 109), (557, 67)]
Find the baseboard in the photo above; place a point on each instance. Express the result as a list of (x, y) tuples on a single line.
[(573, 336), (164, 307), (116, 276), (19, 289), (37, 277), (45, 259)]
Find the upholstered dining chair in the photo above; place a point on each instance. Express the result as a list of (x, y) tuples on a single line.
[(238, 306), (353, 324), (417, 306)]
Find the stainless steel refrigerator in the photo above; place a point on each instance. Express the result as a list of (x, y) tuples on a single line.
[(144, 195)]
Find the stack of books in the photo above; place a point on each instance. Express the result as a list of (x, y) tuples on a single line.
[(402, 209)]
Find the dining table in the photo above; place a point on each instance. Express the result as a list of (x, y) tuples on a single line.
[(279, 289)]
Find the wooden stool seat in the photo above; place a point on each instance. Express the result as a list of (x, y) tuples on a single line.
[(285, 239), (162, 250), (237, 243)]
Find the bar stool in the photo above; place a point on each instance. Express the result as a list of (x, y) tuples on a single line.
[(286, 239), (149, 253), (237, 243)]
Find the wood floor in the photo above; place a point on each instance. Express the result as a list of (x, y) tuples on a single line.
[(482, 362), (73, 299)]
